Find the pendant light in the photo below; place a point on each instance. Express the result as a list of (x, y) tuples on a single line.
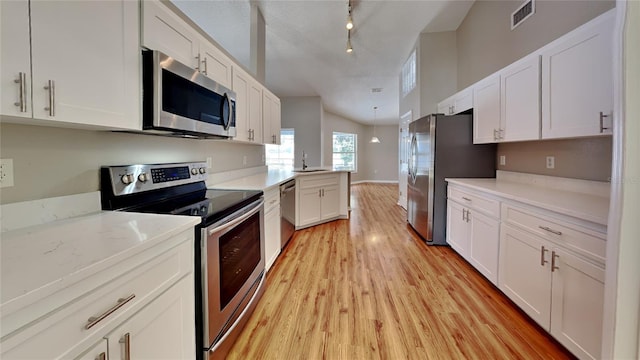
[(349, 18), (374, 138), (349, 48)]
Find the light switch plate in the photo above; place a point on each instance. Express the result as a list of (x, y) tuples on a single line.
[(503, 160)]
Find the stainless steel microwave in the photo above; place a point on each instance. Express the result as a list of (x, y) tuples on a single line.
[(179, 100)]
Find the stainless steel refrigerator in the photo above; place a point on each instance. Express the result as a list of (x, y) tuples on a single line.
[(441, 147)]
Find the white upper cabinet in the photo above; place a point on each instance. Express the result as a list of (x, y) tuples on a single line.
[(165, 31), (520, 100), (459, 102), (72, 82), (248, 107), (15, 57), (577, 81), (215, 64), (270, 118), (486, 110)]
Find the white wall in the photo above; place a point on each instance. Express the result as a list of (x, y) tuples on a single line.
[(438, 70), (381, 160), (304, 114), (52, 162)]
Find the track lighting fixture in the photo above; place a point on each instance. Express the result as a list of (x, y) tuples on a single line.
[(349, 18), (349, 27)]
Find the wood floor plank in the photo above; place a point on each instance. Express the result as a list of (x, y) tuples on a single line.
[(370, 288)]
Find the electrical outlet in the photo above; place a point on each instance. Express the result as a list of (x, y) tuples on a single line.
[(6, 172), (209, 162), (551, 162), (503, 160), (244, 160)]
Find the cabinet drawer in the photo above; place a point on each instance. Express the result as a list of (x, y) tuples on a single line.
[(581, 240), (306, 182), (484, 205), (62, 332), (271, 199)]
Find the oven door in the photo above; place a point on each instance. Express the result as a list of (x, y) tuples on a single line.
[(232, 261)]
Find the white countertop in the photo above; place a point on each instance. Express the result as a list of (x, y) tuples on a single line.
[(594, 208), (266, 180), (46, 257)]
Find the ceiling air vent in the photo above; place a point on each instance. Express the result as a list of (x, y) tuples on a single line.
[(522, 13), (376, 90)]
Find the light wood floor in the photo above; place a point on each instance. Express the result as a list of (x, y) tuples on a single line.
[(368, 288)]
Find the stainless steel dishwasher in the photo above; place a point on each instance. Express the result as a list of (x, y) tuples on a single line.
[(287, 211)]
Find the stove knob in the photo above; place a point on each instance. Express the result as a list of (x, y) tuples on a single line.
[(127, 179), (203, 170), (203, 210), (194, 171), (143, 177)]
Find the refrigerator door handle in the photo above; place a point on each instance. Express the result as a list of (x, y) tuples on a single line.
[(413, 158)]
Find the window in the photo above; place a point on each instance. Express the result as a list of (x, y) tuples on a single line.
[(409, 74), (344, 151), (281, 156)]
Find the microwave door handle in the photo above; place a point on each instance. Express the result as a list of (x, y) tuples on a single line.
[(237, 220)]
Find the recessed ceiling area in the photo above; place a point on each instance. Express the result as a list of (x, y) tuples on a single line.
[(306, 46)]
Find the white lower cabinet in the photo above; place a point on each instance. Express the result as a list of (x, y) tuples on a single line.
[(272, 245), (320, 198), (562, 290), (149, 296), (161, 330), (97, 352), (472, 232), (457, 228)]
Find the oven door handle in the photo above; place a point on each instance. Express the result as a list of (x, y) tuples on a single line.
[(254, 209)]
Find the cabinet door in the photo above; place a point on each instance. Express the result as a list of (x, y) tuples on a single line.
[(446, 106), (520, 95), (255, 111), (330, 202), (164, 31), (163, 329), (215, 64), (484, 240), (15, 59), (90, 50), (275, 121), (577, 83), (272, 236), (463, 101), (97, 352), (525, 274), (577, 298), (309, 206), (242, 88), (486, 110), (457, 228), (267, 102)]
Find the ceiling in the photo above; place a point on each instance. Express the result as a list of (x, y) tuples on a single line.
[(306, 46)]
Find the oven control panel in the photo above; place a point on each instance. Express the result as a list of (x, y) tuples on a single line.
[(138, 178)]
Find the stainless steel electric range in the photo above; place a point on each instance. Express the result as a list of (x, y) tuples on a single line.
[(229, 246)]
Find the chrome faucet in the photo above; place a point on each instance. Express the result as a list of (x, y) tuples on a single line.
[(304, 163)]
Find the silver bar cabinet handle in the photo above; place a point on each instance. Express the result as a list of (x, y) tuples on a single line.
[(602, 116), (92, 321), (102, 356), (205, 65), (22, 80), (51, 86), (542, 259), (495, 134), (465, 198), (126, 340), (468, 213), (550, 230), (553, 261)]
